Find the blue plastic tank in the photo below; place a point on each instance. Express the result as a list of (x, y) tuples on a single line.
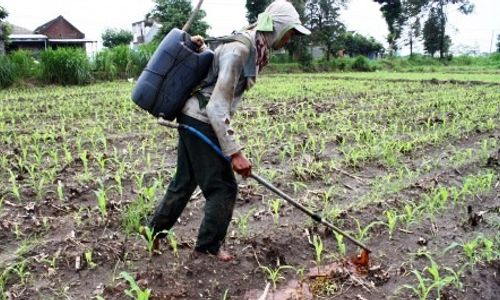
[(171, 74)]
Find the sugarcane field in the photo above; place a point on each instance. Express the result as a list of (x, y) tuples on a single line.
[(225, 168)]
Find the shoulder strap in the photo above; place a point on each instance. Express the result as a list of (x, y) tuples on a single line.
[(250, 68)]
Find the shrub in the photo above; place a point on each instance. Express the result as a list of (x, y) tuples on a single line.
[(140, 58), (121, 59), (24, 64), (361, 64), (65, 66), (339, 63), (463, 60), (104, 65), (280, 58), (122, 62), (7, 72)]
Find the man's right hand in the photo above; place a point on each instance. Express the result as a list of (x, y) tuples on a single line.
[(199, 42), (241, 165)]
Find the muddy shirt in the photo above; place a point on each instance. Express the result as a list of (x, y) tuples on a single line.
[(226, 84)]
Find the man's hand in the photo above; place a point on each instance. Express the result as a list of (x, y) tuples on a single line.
[(199, 42), (241, 165)]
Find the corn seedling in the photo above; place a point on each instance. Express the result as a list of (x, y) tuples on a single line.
[(60, 191), (101, 162), (17, 231), (135, 290), (435, 282), (102, 200), (40, 189), (226, 295), (21, 270), (274, 274), (14, 186), (52, 262), (318, 248), (88, 259), (172, 241), (363, 231), (149, 236), (298, 186), (242, 222), (340, 243), (392, 219), (409, 212), (84, 158), (275, 206)]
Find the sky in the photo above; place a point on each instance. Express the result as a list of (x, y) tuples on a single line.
[(92, 17)]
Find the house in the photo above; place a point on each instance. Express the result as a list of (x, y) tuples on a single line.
[(22, 38), (144, 31), (58, 32)]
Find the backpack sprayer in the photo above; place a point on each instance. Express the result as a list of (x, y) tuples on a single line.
[(172, 73), (170, 76)]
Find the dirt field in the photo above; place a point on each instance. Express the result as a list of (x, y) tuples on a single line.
[(408, 165)]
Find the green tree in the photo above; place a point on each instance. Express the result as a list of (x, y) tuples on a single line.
[(498, 43), (174, 14), (3, 29), (254, 8), (393, 13), (322, 18), (438, 10), (114, 37), (435, 38), (414, 31), (355, 44)]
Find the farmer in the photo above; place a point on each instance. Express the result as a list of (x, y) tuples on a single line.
[(234, 70)]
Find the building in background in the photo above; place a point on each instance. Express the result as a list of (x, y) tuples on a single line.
[(144, 32), (58, 32)]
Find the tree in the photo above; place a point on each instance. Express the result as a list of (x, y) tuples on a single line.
[(114, 37), (498, 43), (414, 31), (438, 8), (3, 30), (254, 8), (355, 44), (322, 18), (174, 14), (393, 13), (435, 38)]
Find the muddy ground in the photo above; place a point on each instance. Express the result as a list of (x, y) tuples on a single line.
[(65, 231), (53, 249)]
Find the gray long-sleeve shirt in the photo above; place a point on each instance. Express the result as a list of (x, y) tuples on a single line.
[(226, 86)]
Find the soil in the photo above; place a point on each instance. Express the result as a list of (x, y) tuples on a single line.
[(190, 276), (67, 230)]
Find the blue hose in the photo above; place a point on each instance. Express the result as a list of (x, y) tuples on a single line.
[(206, 140)]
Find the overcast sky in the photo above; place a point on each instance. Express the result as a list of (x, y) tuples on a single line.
[(93, 16)]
